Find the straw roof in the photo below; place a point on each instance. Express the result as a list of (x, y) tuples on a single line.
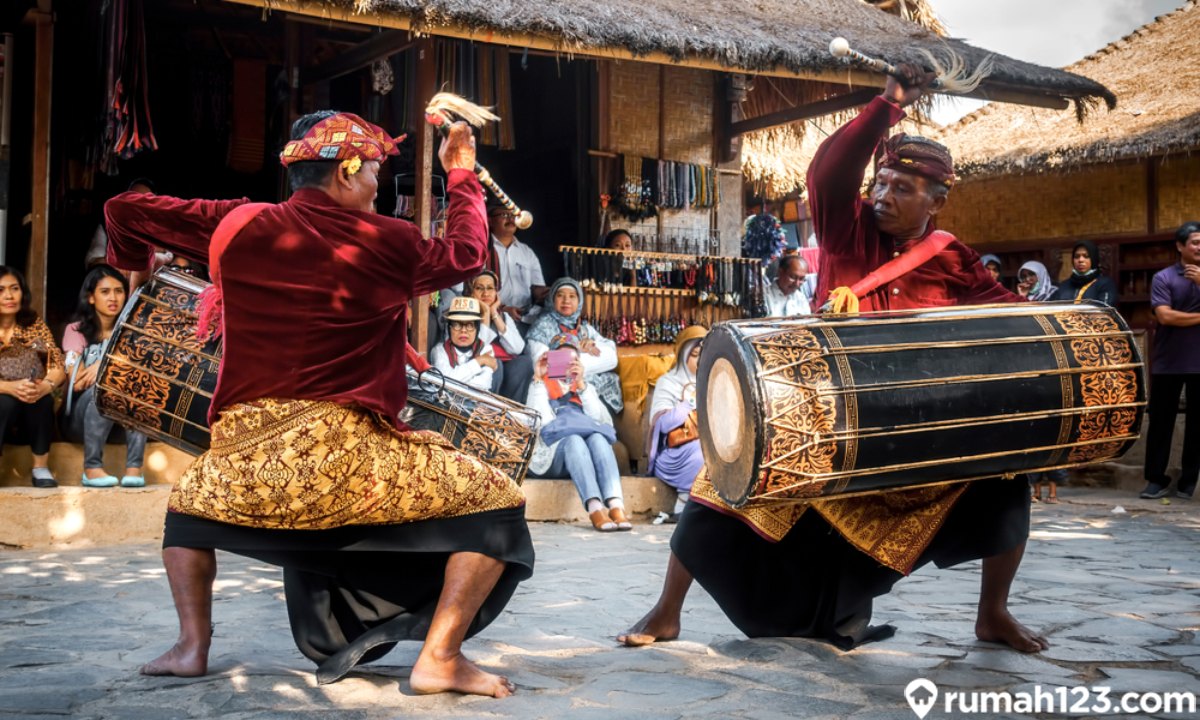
[(789, 36), (1154, 73)]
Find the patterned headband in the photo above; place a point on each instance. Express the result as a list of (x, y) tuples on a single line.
[(345, 137), (914, 154)]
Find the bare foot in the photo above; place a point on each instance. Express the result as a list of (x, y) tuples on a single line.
[(179, 661), (654, 627), (1003, 628), (456, 674)]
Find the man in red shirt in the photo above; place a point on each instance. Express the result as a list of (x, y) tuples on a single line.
[(791, 570), (384, 534)]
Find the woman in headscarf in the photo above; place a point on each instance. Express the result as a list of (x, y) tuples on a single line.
[(1087, 281), (674, 443), (1033, 282), (992, 264), (562, 323)]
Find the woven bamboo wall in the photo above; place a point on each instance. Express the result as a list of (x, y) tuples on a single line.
[(634, 124), (1100, 201), (1178, 192)]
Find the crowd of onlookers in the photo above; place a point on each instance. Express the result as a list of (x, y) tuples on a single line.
[(509, 332)]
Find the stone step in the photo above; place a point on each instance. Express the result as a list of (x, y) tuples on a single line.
[(76, 516)]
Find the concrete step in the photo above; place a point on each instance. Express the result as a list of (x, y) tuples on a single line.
[(164, 464), (76, 516)]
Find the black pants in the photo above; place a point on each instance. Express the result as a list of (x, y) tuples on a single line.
[(1163, 409), (36, 419)]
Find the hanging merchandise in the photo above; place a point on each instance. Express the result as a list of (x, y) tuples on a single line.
[(635, 200), (127, 127), (763, 238)]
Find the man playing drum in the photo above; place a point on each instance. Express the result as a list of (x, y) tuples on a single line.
[(813, 569), (384, 534)]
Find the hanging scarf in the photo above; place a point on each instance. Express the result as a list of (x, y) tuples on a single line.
[(452, 350), (1044, 289)]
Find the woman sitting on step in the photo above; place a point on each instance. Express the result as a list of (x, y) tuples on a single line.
[(577, 436), (101, 300), (673, 446)]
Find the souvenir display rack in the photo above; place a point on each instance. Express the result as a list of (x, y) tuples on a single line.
[(639, 297)]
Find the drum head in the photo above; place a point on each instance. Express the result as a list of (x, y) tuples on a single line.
[(729, 398)]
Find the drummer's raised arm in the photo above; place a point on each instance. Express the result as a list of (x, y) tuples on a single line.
[(139, 222)]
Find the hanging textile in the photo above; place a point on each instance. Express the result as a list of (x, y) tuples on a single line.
[(127, 127), (247, 143)]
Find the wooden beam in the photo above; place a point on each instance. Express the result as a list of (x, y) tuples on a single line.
[(43, 65), (426, 60), (803, 112), (380, 46)]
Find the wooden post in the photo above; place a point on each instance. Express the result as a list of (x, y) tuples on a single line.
[(35, 269), (426, 137)]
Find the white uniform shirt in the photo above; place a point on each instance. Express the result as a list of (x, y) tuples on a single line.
[(780, 305), (520, 270)]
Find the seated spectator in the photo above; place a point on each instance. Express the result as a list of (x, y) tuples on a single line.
[(31, 367), (992, 264), (515, 370), (522, 285), (618, 240), (464, 356), (576, 438), (785, 297), (562, 323), (1087, 281), (1033, 282), (100, 302), (187, 267), (674, 443)]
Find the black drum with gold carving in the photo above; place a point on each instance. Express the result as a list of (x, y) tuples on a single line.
[(155, 375), (818, 407), (494, 429)]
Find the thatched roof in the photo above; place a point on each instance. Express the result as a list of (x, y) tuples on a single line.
[(761, 36), (1155, 71)]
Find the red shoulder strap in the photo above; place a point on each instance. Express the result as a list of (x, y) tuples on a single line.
[(914, 257)]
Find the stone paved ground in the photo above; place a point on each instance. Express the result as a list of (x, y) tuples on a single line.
[(1118, 595)]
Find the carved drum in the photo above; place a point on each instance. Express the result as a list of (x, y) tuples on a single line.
[(816, 407)]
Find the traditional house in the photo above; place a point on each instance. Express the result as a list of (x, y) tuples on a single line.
[(1036, 181)]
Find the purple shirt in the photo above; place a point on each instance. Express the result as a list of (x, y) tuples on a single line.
[(1176, 349)]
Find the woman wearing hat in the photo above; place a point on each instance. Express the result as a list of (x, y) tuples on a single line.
[(674, 442), (464, 356), (1087, 281)]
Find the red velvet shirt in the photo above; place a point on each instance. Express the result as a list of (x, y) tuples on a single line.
[(851, 243), (315, 294)]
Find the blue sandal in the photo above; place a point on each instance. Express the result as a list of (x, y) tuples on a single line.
[(133, 481)]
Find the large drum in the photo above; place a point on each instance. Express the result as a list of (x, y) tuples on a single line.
[(816, 407), (496, 430), (155, 375)]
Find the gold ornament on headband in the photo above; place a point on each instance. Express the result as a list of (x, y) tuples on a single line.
[(352, 165)]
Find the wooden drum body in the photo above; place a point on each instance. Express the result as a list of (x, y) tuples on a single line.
[(817, 407), (494, 429), (156, 376)]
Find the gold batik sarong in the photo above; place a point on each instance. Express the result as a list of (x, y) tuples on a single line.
[(893, 528), (315, 465)]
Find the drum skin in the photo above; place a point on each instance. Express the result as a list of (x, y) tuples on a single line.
[(834, 406), (155, 375), (489, 427)]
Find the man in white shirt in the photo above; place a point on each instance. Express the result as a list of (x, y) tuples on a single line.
[(785, 297), (522, 286)]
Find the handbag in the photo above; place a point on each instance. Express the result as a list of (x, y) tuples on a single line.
[(21, 361), (685, 433)]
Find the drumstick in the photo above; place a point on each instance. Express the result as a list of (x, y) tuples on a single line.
[(951, 75), (440, 111)]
